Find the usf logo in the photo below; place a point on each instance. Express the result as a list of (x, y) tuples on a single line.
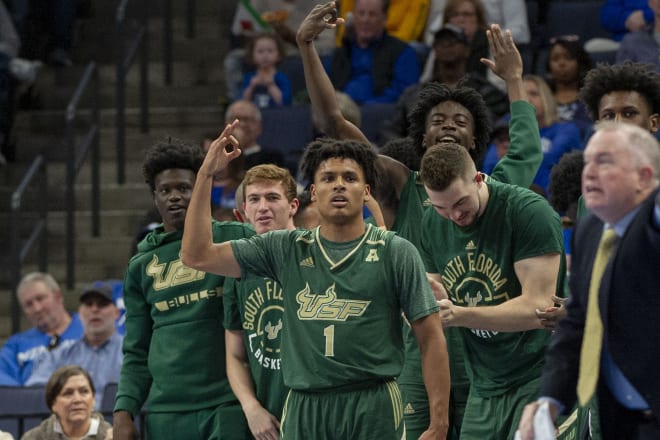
[(327, 306), (174, 275)]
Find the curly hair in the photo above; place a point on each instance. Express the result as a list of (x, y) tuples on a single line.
[(170, 154), (605, 78), (323, 149), (434, 93), (576, 52), (565, 181)]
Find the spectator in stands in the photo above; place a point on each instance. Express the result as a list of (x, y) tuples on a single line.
[(12, 68), (371, 65), (266, 86), (623, 16), (43, 303), (248, 132), (280, 16), (568, 63), (451, 50), (642, 46), (499, 144), (70, 395), (557, 137), (98, 351)]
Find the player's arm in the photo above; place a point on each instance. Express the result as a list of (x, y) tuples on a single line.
[(319, 87), (263, 425), (435, 371), (197, 248), (538, 281)]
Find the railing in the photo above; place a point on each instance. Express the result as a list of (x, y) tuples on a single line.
[(76, 154), (19, 250), (168, 34), (125, 57)]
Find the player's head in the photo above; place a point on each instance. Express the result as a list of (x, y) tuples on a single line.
[(269, 198), (628, 92), (170, 168), (452, 182), (445, 114)]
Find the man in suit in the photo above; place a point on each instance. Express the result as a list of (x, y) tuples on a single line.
[(620, 187)]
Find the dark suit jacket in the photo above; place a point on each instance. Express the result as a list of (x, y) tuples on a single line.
[(629, 301)]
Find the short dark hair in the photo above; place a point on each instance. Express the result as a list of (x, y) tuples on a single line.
[(171, 154), (434, 93), (565, 185), (323, 149), (442, 164), (403, 150), (606, 78), (58, 380), (577, 52)]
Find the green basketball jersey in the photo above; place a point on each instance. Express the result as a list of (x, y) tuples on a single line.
[(342, 304), (476, 264), (255, 305)]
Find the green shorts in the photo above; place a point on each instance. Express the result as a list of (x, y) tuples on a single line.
[(370, 412), (224, 422), (497, 417)]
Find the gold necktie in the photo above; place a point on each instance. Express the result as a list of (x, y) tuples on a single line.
[(592, 339)]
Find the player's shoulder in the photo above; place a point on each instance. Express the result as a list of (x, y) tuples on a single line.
[(228, 230)]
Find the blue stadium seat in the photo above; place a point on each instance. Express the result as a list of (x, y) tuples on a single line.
[(22, 408), (287, 129), (373, 118)]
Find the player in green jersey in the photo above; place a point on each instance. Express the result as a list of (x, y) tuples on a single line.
[(174, 356), (254, 306), (342, 345), (497, 251)]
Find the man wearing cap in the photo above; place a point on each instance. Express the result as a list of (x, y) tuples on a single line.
[(98, 351)]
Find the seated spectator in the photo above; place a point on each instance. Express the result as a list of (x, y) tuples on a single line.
[(470, 16), (498, 146), (371, 65), (248, 132), (43, 303), (281, 16), (557, 138), (568, 64), (70, 395), (99, 349), (511, 15), (642, 46), (623, 16), (266, 86), (451, 51)]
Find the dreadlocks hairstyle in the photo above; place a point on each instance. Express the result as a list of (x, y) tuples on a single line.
[(326, 148), (434, 93), (169, 154), (605, 78)]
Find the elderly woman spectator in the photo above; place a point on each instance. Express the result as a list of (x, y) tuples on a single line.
[(70, 396)]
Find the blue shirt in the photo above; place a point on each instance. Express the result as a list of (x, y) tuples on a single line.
[(103, 363), (360, 87), (23, 349), (556, 140)]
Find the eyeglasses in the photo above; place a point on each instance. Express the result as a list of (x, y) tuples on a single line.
[(565, 39), (54, 342)]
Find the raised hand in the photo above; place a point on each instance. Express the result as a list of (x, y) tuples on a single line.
[(320, 18), (506, 62), (223, 150)]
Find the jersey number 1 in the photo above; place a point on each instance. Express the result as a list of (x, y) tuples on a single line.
[(329, 333)]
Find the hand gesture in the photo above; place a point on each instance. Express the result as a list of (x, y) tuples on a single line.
[(551, 315), (223, 150), (320, 18), (506, 62), (447, 312)]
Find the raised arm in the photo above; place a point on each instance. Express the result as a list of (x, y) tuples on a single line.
[(522, 161), (320, 88), (197, 248), (538, 282)]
